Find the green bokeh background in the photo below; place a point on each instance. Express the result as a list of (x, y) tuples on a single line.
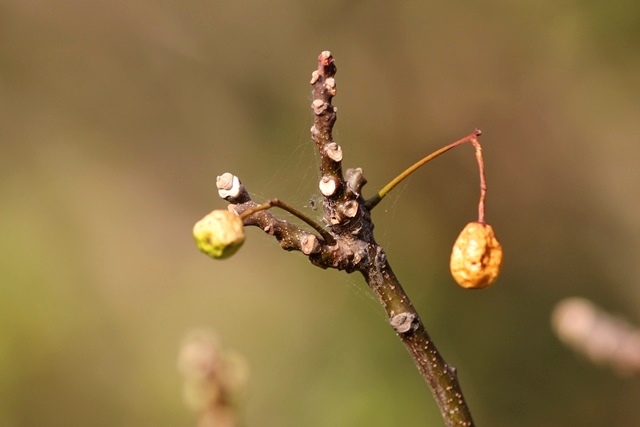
[(116, 116)]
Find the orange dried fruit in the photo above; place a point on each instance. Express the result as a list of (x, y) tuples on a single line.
[(476, 258)]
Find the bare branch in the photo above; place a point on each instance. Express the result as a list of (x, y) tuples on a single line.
[(290, 236), (348, 242)]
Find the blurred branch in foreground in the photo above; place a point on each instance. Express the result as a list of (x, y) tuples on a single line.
[(603, 338), (214, 379)]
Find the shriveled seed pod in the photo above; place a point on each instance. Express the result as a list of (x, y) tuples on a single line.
[(219, 234), (476, 258)]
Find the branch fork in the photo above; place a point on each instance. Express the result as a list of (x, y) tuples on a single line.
[(346, 242)]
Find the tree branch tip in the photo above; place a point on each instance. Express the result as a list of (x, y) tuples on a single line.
[(477, 132), (325, 57), (326, 66), (224, 181), (228, 185)]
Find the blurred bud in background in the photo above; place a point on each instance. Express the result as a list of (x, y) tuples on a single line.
[(603, 338), (214, 379)]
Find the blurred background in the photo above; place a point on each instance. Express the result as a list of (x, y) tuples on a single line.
[(116, 117)]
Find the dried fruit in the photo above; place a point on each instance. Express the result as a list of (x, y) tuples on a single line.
[(219, 234), (476, 258)]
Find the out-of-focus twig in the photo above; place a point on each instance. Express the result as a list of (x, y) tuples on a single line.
[(605, 339), (214, 379)]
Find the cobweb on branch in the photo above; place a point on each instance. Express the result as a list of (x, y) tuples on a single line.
[(295, 177)]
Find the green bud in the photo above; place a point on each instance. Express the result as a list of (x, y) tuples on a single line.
[(219, 234)]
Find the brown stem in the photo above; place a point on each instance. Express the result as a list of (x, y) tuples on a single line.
[(483, 181), (328, 238), (372, 202), (404, 318), (356, 248)]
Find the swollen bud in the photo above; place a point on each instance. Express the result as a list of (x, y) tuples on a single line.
[(476, 258), (219, 234)]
